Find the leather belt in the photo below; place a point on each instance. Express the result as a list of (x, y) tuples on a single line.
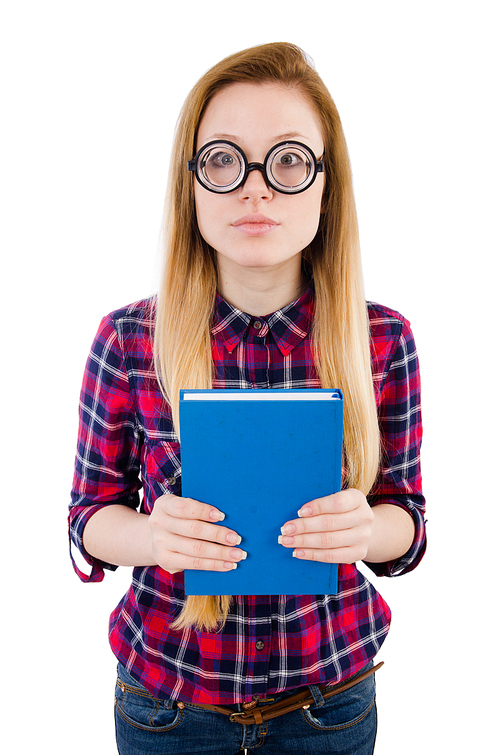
[(301, 699)]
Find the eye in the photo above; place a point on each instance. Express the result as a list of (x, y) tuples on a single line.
[(221, 160), (290, 166), (290, 159), (222, 165)]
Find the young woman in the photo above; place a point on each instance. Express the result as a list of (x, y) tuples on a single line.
[(261, 288)]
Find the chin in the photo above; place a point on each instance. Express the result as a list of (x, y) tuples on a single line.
[(254, 259)]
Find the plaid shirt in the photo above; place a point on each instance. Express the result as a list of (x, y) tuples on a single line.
[(126, 441)]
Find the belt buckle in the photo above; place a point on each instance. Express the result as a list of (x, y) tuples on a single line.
[(234, 716), (252, 708)]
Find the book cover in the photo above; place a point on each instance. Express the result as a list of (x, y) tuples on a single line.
[(258, 456)]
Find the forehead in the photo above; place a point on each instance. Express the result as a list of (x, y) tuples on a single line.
[(260, 115)]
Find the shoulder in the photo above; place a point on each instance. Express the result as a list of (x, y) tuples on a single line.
[(387, 325), (128, 330), (384, 317), (134, 321), (391, 342), (138, 315)]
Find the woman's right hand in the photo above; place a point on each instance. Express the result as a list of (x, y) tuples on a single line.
[(184, 536)]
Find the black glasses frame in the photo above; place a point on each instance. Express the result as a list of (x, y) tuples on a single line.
[(193, 165)]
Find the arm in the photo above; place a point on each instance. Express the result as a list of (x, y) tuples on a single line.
[(343, 528), (118, 535), (387, 530), (104, 522), (177, 535), (109, 447), (392, 534)]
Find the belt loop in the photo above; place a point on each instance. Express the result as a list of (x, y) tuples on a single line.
[(319, 700)]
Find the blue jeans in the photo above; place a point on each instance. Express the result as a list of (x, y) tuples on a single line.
[(345, 724)]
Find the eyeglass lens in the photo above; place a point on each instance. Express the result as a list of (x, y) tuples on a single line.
[(287, 167), (222, 165)]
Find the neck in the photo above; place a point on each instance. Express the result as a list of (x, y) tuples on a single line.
[(260, 291)]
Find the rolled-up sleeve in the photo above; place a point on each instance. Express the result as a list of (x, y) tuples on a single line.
[(400, 481), (108, 451)]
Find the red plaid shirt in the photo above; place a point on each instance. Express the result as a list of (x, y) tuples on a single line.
[(126, 442)]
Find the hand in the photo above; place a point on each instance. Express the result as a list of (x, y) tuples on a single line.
[(335, 529), (184, 536)]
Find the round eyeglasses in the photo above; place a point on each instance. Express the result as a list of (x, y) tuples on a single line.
[(288, 167)]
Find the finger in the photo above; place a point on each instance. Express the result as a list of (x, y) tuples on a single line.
[(178, 562), (202, 531), (337, 503), (332, 556), (203, 549), (187, 553), (323, 539), (178, 515), (189, 508), (321, 523)]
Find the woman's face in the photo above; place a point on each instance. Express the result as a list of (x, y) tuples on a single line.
[(255, 226)]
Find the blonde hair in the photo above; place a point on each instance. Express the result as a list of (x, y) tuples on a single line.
[(340, 332)]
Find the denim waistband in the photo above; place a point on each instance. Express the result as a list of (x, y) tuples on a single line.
[(127, 678)]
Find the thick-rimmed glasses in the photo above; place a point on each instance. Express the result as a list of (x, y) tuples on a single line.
[(288, 167)]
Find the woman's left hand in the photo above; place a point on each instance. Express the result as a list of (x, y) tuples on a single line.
[(334, 529)]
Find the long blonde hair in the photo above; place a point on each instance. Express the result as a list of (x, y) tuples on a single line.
[(340, 333)]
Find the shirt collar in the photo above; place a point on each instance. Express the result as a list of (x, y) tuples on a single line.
[(287, 326)]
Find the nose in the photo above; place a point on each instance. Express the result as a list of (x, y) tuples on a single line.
[(255, 186)]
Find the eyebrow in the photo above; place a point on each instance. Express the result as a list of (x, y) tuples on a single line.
[(278, 138)]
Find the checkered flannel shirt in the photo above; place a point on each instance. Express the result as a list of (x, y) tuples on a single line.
[(127, 443)]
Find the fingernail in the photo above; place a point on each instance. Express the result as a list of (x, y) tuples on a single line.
[(233, 538), (298, 554), (217, 516), (240, 555), (229, 565), (288, 529), (305, 511)]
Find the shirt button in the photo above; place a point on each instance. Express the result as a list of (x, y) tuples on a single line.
[(171, 480), (257, 325), (260, 645)]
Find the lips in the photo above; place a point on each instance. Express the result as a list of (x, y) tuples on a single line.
[(255, 225)]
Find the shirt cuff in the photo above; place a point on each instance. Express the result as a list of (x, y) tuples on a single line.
[(414, 505), (79, 515), (77, 522)]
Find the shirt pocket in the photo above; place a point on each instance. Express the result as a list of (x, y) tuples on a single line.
[(161, 471)]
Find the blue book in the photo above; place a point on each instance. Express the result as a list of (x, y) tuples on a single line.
[(259, 456)]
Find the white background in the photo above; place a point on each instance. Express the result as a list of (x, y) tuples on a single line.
[(90, 94)]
